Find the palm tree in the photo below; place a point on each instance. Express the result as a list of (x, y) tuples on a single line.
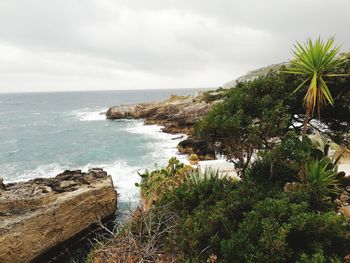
[(316, 61)]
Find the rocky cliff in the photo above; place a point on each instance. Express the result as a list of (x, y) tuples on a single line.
[(39, 214), (178, 114)]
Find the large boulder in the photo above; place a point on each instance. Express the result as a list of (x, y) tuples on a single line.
[(39, 214), (199, 147)]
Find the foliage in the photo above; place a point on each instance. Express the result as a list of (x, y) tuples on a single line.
[(155, 183), (278, 230), (282, 163), (253, 114), (337, 117), (198, 177), (318, 257), (140, 240), (320, 178), (315, 60), (248, 222), (210, 96), (209, 210), (323, 146), (207, 217), (201, 217)]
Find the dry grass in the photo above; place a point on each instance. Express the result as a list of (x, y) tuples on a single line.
[(142, 239)]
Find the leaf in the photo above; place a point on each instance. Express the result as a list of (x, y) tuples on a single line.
[(301, 85), (316, 59)]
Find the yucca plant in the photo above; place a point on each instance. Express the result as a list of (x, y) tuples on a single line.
[(197, 177), (320, 178), (316, 60)]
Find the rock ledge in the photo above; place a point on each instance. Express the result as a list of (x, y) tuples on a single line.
[(41, 213)]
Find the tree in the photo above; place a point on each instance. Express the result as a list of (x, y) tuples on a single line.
[(315, 61), (252, 115)]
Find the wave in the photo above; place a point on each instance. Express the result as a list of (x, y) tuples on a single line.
[(159, 147), (162, 146), (41, 171), (124, 176), (14, 141), (88, 114)]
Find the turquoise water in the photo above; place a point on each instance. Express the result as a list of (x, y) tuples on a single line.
[(42, 134)]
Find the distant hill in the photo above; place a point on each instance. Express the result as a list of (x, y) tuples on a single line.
[(262, 71), (254, 74)]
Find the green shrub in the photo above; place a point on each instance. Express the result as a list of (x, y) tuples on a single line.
[(318, 257), (213, 95), (156, 183), (320, 178), (282, 163), (249, 222), (278, 230), (209, 211)]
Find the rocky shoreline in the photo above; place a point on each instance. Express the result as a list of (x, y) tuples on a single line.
[(39, 217), (40, 214), (178, 114)]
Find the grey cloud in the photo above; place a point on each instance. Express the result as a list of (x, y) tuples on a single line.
[(106, 44)]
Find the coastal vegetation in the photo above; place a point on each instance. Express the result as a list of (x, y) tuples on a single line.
[(285, 206), (316, 61)]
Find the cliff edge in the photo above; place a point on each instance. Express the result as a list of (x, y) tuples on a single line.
[(39, 214)]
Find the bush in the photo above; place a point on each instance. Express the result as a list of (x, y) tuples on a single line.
[(249, 222), (283, 162), (156, 183), (209, 211), (278, 230)]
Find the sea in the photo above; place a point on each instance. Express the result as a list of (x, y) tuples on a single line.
[(43, 134)]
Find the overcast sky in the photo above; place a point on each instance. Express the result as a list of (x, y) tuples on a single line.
[(53, 45)]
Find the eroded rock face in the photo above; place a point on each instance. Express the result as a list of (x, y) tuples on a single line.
[(177, 114), (38, 214), (199, 147)]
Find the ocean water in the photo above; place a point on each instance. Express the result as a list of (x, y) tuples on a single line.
[(42, 134)]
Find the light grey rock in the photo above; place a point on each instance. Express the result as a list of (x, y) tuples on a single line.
[(41, 213), (344, 197)]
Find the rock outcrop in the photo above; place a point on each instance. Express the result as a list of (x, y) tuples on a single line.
[(177, 114), (201, 148), (343, 202), (39, 214)]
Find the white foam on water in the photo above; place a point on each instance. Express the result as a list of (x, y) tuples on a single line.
[(163, 145), (10, 141), (138, 127), (88, 114), (124, 177), (42, 171)]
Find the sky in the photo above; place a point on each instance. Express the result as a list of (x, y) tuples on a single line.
[(66, 45)]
